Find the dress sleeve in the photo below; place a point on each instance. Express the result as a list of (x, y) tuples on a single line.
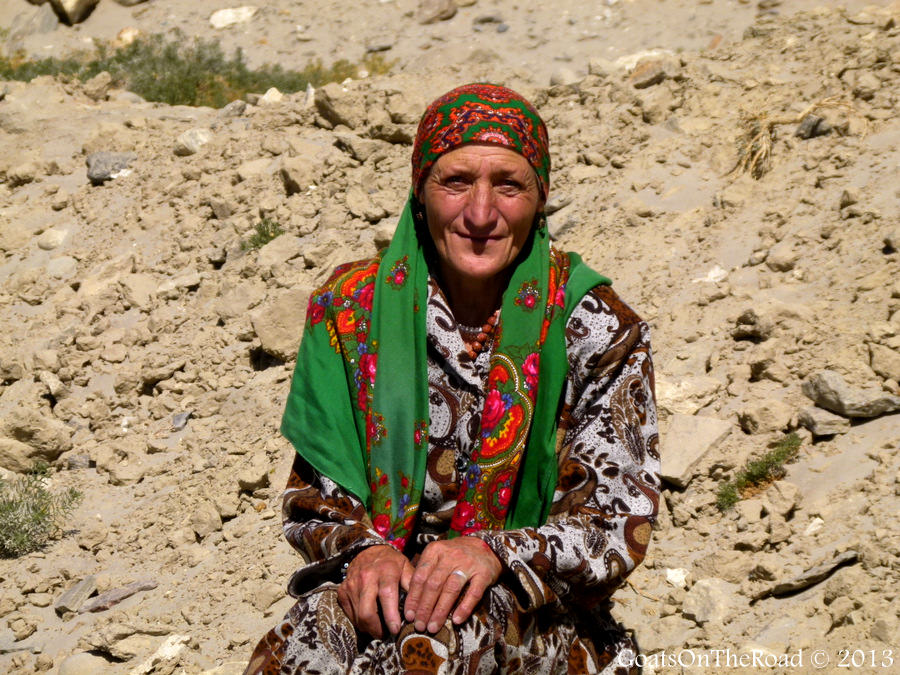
[(325, 523), (607, 493)]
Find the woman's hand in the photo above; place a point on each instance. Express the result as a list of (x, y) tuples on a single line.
[(374, 578), (444, 569)]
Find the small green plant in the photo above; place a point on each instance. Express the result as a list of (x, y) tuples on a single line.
[(31, 515), (266, 230), (758, 472), (179, 71)]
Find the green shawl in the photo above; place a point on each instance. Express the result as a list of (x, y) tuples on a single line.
[(358, 405)]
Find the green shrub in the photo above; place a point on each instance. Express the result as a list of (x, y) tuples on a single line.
[(758, 472), (266, 230), (31, 515), (178, 71)]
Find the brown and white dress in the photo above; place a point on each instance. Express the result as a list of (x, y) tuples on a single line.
[(549, 612)]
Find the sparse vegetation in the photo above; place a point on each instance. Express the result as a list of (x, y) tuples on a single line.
[(266, 230), (177, 71), (754, 146), (31, 515), (758, 472)]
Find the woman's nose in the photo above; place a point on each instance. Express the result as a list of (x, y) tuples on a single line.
[(480, 211)]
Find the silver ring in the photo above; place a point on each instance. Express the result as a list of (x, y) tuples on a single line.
[(462, 574)]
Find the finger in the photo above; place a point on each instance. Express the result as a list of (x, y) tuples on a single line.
[(416, 586), (432, 590), (406, 575), (388, 596), (369, 621), (473, 595), (452, 587)]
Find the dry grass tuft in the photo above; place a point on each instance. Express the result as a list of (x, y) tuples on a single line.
[(759, 133)]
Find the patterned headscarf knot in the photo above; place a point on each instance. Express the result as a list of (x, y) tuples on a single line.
[(481, 113)]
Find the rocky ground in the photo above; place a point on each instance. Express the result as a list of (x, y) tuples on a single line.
[(147, 353)]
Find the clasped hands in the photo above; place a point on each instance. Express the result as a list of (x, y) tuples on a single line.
[(433, 585)]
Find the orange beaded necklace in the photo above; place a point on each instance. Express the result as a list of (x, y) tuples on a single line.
[(480, 336)]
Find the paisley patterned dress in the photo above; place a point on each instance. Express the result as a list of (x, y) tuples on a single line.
[(549, 612)]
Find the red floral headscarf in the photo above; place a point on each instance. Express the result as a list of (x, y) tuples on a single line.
[(481, 113)]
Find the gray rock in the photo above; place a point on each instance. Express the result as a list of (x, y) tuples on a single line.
[(751, 326), (810, 577), (432, 11), (812, 126), (113, 597), (73, 11), (711, 600), (823, 423), (130, 3), (104, 166), (827, 389), (180, 420), (74, 598), (192, 141), (685, 442), (279, 323)]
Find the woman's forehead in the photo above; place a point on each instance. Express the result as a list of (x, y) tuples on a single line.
[(486, 157)]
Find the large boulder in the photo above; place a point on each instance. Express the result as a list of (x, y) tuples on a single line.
[(829, 390), (279, 323), (27, 435), (686, 441)]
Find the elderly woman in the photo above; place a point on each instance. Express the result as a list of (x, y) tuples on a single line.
[(475, 428)]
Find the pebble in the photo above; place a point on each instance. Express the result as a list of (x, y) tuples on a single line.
[(51, 239), (104, 166), (192, 141), (812, 126), (224, 18)]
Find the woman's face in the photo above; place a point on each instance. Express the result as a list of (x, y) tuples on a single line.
[(480, 201)]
